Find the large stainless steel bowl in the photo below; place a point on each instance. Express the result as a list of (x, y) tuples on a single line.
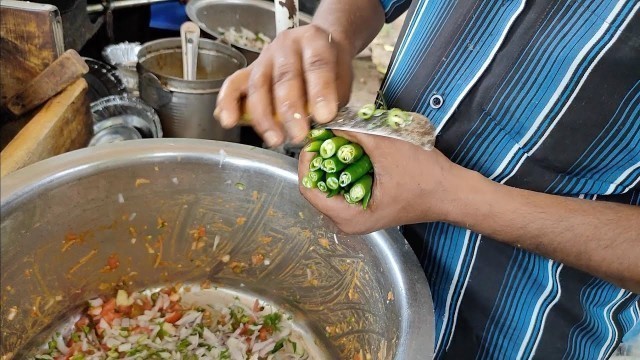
[(63, 217), (257, 16)]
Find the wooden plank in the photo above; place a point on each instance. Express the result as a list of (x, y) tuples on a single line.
[(65, 70), (62, 125), (30, 40)]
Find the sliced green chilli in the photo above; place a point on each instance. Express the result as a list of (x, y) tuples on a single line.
[(366, 111), (349, 153), (330, 146), (397, 118), (316, 175), (361, 188), (308, 183), (322, 186), (332, 165), (332, 181), (355, 171), (320, 134), (316, 163)]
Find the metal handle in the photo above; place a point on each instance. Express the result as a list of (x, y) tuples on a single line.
[(121, 4), (153, 92)]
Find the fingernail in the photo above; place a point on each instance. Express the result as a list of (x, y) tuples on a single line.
[(271, 138), (324, 111)]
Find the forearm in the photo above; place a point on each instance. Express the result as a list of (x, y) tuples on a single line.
[(600, 238), (354, 23)]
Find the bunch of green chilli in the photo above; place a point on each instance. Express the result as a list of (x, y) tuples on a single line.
[(342, 167)]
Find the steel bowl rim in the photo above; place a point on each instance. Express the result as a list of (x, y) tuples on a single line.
[(412, 297)]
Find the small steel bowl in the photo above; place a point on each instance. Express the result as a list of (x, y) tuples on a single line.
[(257, 16)]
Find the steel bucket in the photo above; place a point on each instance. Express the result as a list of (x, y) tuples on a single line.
[(355, 293), (186, 107)]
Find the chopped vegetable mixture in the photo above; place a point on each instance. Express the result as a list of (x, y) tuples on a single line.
[(244, 38), (156, 325)]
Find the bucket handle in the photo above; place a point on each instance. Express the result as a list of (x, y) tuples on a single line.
[(155, 94)]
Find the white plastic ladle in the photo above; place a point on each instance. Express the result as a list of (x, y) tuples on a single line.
[(190, 35)]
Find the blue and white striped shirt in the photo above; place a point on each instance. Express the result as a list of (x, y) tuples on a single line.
[(541, 95)]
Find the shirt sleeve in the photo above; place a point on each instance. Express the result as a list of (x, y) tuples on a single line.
[(394, 8)]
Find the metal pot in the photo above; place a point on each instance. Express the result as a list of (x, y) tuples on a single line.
[(186, 107), (353, 292), (257, 16)]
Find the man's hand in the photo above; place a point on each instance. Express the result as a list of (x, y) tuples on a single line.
[(411, 185), (305, 71)]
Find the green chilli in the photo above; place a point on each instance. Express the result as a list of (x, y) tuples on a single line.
[(308, 183), (330, 146), (361, 188), (332, 165), (333, 192), (322, 186), (349, 153), (316, 163), (316, 175), (313, 146), (355, 171), (332, 181), (397, 118), (320, 134)]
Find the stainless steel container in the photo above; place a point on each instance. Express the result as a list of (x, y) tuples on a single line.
[(186, 107), (257, 16), (63, 217), (123, 117)]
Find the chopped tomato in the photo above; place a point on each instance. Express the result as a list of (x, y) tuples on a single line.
[(125, 310), (263, 334), (82, 322), (245, 330), (109, 311), (173, 317), (113, 262), (141, 330)]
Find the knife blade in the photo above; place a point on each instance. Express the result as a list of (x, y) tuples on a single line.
[(418, 130)]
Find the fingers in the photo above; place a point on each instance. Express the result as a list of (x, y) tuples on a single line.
[(259, 103), (228, 105), (319, 62), (289, 93), (280, 89)]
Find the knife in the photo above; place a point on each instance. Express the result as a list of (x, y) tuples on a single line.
[(418, 130)]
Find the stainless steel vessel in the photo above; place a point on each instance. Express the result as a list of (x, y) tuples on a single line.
[(257, 16), (185, 107), (63, 217)]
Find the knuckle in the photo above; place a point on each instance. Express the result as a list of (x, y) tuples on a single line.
[(257, 84), (285, 72), (318, 61)]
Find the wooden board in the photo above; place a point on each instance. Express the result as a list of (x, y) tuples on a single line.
[(30, 40), (64, 71), (62, 125)]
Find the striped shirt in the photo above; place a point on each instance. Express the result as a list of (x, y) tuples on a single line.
[(541, 95)]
